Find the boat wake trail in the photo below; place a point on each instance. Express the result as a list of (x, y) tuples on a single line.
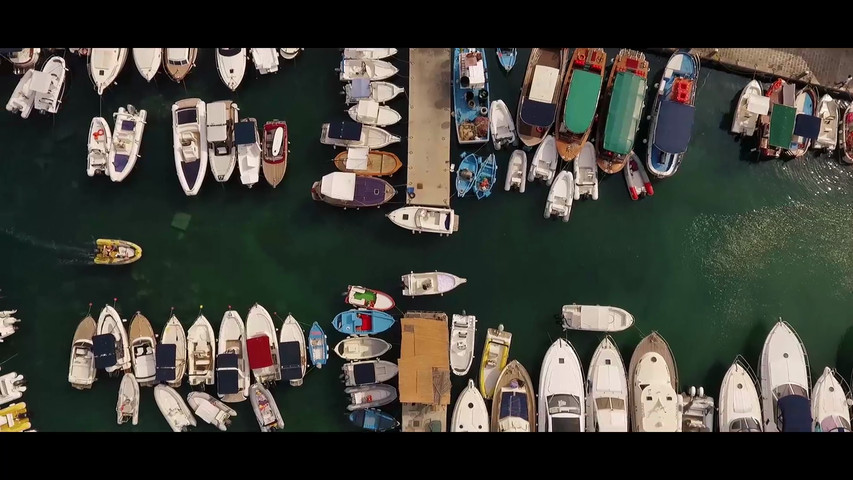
[(74, 254)]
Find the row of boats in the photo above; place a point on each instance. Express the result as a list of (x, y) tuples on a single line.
[(14, 417)]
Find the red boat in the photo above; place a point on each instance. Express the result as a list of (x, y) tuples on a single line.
[(275, 151)]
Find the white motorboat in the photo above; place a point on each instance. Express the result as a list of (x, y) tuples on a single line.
[(294, 357), (232, 362), (105, 65), (127, 406), (8, 324), (830, 403), (586, 173), (201, 353), (266, 410), (361, 348), (561, 390), (370, 112), (48, 85), (100, 141), (231, 65), (265, 60), (81, 368), (750, 105), (653, 380), (211, 410), (126, 142), (23, 97), (351, 134), (262, 346), (179, 62), (827, 111), (190, 143), (373, 70), (637, 179), (369, 53), (430, 283), (248, 143), (740, 405), (373, 395), (470, 413), (22, 59), (143, 345), (515, 171), (785, 382), (364, 89), (12, 387), (502, 125), (607, 390), (367, 372), (111, 355), (596, 318), (697, 411), (543, 166), (173, 342), (174, 409), (495, 356), (148, 61), (420, 219), (462, 342), (289, 53), (221, 152), (560, 196), (514, 405)]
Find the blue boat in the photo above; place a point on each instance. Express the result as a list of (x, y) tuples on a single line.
[(806, 125), (362, 322), (507, 57), (471, 95), (487, 175), (466, 173), (673, 114), (318, 347), (374, 420)]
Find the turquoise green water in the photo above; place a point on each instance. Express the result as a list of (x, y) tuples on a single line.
[(721, 251)]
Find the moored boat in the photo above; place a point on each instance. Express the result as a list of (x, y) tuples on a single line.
[(516, 171), (362, 322), (607, 390), (363, 297), (249, 152), (289, 53), (740, 405), (847, 135), (368, 372), (211, 410), (827, 111), (294, 361), (507, 57), (807, 125), (636, 178), (100, 141), (231, 65), (501, 125), (173, 344), (785, 381), (351, 69), (462, 339), (110, 343), (266, 410), (363, 89), (81, 369), (493, 361), (221, 152), (470, 95), (15, 418), (262, 346), (366, 162), (777, 128), (361, 348), (174, 409), (370, 112), (265, 60), (831, 403), (586, 173), (276, 148), (430, 283), (201, 353), (105, 65), (620, 112), (126, 142), (127, 406), (374, 420), (318, 347), (22, 59), (147, 61), (466, 173), (543, 166), (23, 97), (487, 176), (232, 361), (596, 318), (561, 196), (142, 347), (351, 134), (369, 53), (48, 85), (561, 390), (12, 387), (348, 190), (514, 406), (470, 413), (653, 383), (116, 252), (179, 62), (189, 139), (420, 219), (751, 104), (579, 100), (370, 396), (8, 324), (540, 94)]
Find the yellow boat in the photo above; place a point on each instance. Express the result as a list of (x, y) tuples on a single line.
[(14, 418), (116, 252), (495, 354)]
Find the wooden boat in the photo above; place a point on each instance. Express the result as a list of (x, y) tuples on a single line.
[(466, 173), (827, 110), (294, 361), (362, 322), (586, 173), (847, 135), (81, 370), (471, 95), (516, 171), (178, 62), (201, 353), (501, 125), (561, 196), (487, 176), (776, 129), (318, 347), (652, 387), (211, 410), (470, 413), (116, 252), (14, 418), (348, 190), (561, 390), (361, 348), (430, 283), (110, 343), (370, 112), (420, 219), (351, 134), (266, 410), (174, 408), (751, 104), (276, 148), (232, 362), (373, 420), (147, 61), (607, 390), (142, 347), (620, 112), (462, 340), (807, 124), (366, 162), (540, 94), (543, 166), (514, 406), (262, 346), (363, 89), (99, 144), (636, 178), (507, 57), (368, 372), (127, 406), (369, 53), (579, 99), (495, 354), (370, 396), (363, 297)]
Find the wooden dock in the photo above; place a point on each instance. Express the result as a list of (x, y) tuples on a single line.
[(821, 67), (424, 376), (429, 127)]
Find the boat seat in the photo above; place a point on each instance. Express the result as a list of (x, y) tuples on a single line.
[(461, 345)]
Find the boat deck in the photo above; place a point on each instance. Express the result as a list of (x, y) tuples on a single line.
[(424, 371), (651, 343), (418, 417), (429, 127)]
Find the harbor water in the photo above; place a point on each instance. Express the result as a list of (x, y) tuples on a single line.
[(723, 249)]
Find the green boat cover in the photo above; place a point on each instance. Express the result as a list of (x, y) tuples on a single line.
[(623, 116), (782, 118), (582, 99)]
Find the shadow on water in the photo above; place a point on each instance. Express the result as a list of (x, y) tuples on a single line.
[(843, 358), (751, 350), (713, 379)]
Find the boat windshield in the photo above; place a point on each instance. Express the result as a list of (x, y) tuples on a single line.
[(744, 425)]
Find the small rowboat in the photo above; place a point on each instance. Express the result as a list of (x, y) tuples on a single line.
[(362, 297)]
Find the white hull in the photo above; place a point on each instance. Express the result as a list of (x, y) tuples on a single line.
[(747, 110), (100, 141), (607, 390), (636, 178), (127, 406), (148, 61), (586, 173), (515, 173), (259, 323), (11, 387), (174, 334), (783, 371), (369, 112), (105, 65), (289, 53), (49, 85), (657, 407), (462, 342), (355, 349), (740, 405), (351, 69), (232, 339), (221, 151), (190, 145), (442, 221), (470, 413), (830, 407), (380, 92), (142, 352), (382, 302), (596, 318), (231, 68), (265, 60), (8, 323), (23, 97), (502, 125), (174, 409), (211, 410), (201, 353), (249, 160), (126, 142), (430, 283), (561, 390), (371, 137), (827, 110), (292, 332), (543, 166), (110, 322), (561, 196), (383, 371), (266, 410), (369, 53), (81, 367)]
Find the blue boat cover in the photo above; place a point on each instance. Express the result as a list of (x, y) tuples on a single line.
[(7, 51), (227, 381), (166, 355), (364, 373), (674, 126), (807, 126), (538, 114), (359, 88), (244, 133), (226, 360), (291, 360), (514, 404), (104, 348), (345, 130), (795, 413)]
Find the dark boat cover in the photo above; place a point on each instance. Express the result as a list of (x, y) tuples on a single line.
[(104, 348), (360, 88), (562, 424), (260, 355), (674, 126), (166, 355), (227, 378), (291, 360), (187, 115), (244, 133), (345, 131), (372, 419), (364, 373), (228, 52), (537, 114), (7, 51), (514, 404), (795, 413), (807, 126)]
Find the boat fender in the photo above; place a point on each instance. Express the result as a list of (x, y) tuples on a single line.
[(471, 104), (649, 189), (98, 133)]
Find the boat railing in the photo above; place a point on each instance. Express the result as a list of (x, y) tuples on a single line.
[(740, 360), (805, 353)]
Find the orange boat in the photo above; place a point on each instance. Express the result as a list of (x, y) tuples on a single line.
[(371, 163), (580, 93)]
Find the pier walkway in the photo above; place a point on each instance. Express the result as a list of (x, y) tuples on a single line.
[(823, 67), (429, 127)]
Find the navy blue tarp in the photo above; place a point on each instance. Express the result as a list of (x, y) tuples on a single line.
[(227, 381), (538, 114), (244, 133), (345, 130), (796, 413), (674, 127), (104, 348), (807, 126), (166, 355), (514, 405), (7, 51), (226, 360), (364, 373), (291, 360)]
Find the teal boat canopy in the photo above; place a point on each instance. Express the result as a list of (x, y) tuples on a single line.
[(782, 119), (582, 100), (623, 116)]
